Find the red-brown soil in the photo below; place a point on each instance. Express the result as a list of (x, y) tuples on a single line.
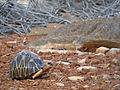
[(93, 79)]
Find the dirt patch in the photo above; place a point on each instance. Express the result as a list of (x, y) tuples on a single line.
[(106, 77)]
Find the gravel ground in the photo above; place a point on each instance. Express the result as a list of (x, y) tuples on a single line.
[(66, 74)]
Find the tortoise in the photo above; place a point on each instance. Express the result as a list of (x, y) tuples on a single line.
[(27, 64)]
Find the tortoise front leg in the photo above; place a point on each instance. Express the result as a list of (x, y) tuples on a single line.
[(37, 74)]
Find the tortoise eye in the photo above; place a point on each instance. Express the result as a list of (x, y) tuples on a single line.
[(42, 67), (50, 63)]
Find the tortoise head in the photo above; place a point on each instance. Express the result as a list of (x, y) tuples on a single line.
[(47, 66)]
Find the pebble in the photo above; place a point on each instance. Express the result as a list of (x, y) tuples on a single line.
[(21, 89), (12, 88), (2, 36), (52, 80), (63, 62), (60, 84), (116, 76), (86, 67), (114, 50), (102, 50), (24, 40), (82, 61), (35, 83), (86, 86), (75, 78), (115, 61), (116, 87), (94, 77), (74, 88), (54, 74), (30, 80), (98, 54), (106, 77), (81, 53), (12, 42)]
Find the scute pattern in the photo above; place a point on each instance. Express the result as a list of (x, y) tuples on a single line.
[(25, 64)]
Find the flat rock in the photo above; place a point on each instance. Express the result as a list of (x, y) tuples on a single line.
[(86, 67), (63, 62), (2, 36), (86, 86), (102, 50), (12, 42), (116, 76), (89, 34), (115, 61), (106, 77), (60, 84), (35, 83), (74, 88), (54, 74), (14, 88), (116, 87), (82, 60), (98, 54), (75, 78), (21, 88), (114, 50)]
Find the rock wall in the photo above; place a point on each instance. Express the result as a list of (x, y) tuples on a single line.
[(89, 34)]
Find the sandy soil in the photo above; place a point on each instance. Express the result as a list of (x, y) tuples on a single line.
[(105, 77)]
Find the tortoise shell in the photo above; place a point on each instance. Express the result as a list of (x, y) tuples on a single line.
[(25, 64)]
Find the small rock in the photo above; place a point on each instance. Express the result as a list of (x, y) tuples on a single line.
[(115, 61), (86, 67), (81, 53), (30, 80), (114, 50), (12, 42), (94, 77), (2, 36), (54, 74), (82, 61), (12, 88), (60, 84), (106, 66), (86, 86), (75, 78), (98, 54), (116, 76), (21, 89), (63, 62), (102, 50), (35, 83), (116, 87), (52, 80), (74, 88), (106, 77), (25, 40)]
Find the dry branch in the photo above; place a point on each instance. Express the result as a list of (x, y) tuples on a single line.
[(16, 18)]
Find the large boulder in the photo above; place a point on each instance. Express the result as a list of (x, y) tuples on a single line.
[(89, 34)]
